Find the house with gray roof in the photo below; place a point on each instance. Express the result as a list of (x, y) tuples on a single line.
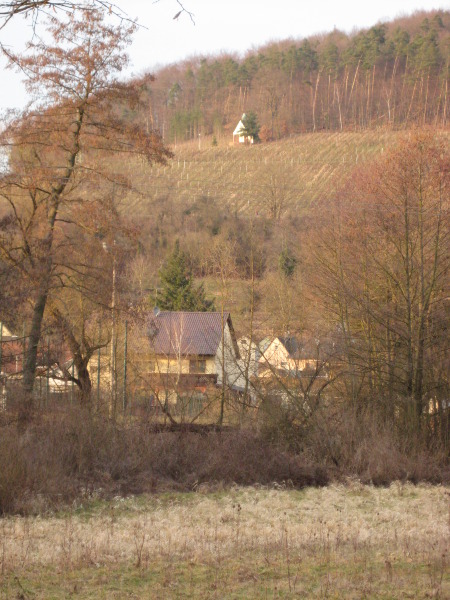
[(239, 136), (285, 355)]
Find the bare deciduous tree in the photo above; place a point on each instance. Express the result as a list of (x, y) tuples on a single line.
[(9, 10), (382, 267), (62, 152), (278, 192)]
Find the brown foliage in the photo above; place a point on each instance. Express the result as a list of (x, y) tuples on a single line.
[(59, 457), (61, 155), (360, 443), (71, 454), (380, 264), (265, 134)]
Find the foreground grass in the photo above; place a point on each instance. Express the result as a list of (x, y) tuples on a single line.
[(340, 541)]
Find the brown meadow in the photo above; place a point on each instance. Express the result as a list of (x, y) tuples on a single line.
[(348, 541)]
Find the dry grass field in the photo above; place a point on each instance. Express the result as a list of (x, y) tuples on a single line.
[(307, 166), (340, 541)]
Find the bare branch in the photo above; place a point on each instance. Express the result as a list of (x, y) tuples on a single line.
[(8, 10), (181, 11)]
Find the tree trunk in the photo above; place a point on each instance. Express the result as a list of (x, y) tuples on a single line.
[(44, 286), (83, 380), (34, 338)]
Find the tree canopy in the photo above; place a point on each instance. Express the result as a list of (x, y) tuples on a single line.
[(178, 289), (60, 156), (250, 126)]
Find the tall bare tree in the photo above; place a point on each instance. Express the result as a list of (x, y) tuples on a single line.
[(383, 268), (9, 10), (62, 153)]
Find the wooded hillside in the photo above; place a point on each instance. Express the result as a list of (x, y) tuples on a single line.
[(393, 74), (327, 243), (215, 195)]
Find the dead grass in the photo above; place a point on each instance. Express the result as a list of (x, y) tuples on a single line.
[(313, 164), (340, 541)]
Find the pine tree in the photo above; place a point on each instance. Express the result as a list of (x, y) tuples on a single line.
[(178, 290), (287, 262), (250, 126)]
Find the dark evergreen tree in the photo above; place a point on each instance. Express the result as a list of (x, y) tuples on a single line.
[(287, 262), (425, 49), (250, 126), (178, 290)]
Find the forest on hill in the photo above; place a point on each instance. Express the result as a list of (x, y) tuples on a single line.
[(393, 74)]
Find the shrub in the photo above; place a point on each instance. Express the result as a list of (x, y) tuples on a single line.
[(65, 456), (13, 470)]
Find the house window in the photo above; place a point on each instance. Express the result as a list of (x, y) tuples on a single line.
[(197, 365)]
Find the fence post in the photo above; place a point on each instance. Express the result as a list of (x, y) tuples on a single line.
[(1, 342), (24, 348), (72, 382), (125, 368), (98, 379), (47, 383), (2, 384), (3, 391)]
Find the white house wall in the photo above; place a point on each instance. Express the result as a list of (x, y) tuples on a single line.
[(276, 357), (234, 375)]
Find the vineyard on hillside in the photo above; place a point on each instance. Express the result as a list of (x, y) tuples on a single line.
[(305, 168)]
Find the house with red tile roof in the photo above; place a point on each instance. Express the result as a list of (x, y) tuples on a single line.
[(191, 352)]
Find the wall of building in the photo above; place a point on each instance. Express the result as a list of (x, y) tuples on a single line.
[(163, 364), (226, 354), (277, 357)]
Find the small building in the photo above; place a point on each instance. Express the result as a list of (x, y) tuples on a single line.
[(49, 379), (284, 355), (238, 136), (250, 354), (191, 352), (54, 378), (11, 352)]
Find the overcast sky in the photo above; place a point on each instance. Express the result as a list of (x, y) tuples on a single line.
[(220, 25)]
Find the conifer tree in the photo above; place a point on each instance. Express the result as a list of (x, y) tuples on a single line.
[(178, 290), (287, 262), (250, 126)]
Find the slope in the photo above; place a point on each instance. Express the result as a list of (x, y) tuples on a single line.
[(242, 180)]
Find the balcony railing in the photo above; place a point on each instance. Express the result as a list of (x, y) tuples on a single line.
[(181, 381)]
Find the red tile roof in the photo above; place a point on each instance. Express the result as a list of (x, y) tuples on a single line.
[(187, 333)]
